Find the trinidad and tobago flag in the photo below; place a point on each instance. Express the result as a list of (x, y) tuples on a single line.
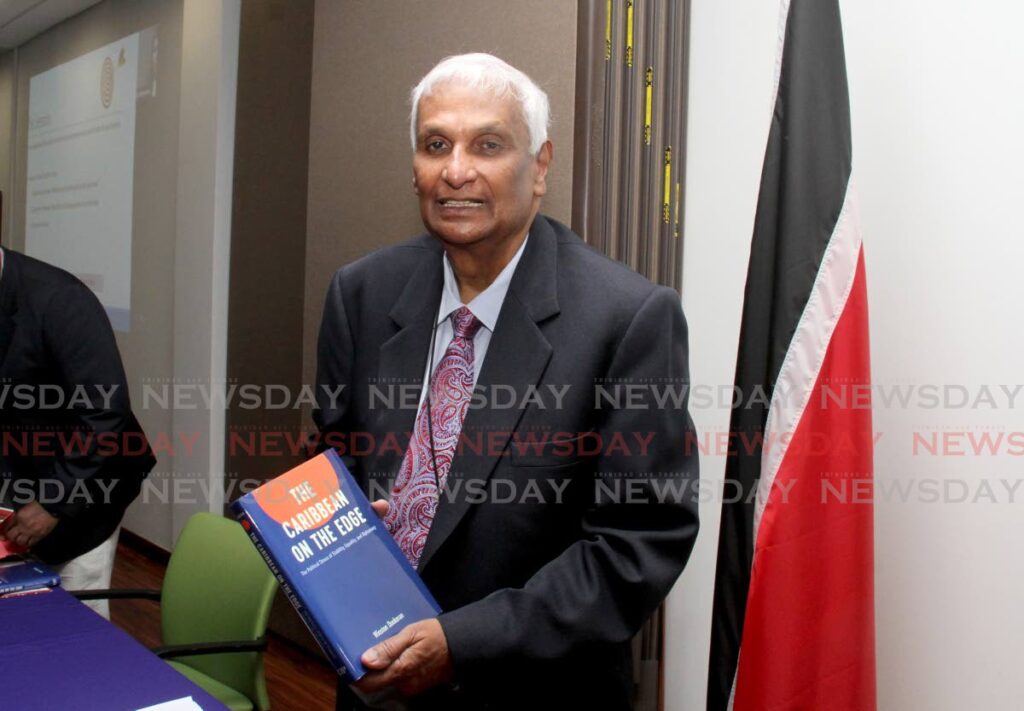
[(793, 624)]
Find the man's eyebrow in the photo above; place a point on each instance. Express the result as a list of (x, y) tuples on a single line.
[(430, 129)]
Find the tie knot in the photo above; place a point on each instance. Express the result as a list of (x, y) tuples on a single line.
[(464, 323)]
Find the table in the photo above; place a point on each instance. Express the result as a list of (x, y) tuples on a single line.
[(56, 653)]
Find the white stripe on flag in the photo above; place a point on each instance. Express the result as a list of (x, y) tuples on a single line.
[(807, 350)]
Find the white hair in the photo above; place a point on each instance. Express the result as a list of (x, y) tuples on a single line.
[(488, 73)]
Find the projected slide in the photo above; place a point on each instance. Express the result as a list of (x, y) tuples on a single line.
[(81, 147)]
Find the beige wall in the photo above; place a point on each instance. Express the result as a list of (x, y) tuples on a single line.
[(366, 58), (268, 227), (268, 240)]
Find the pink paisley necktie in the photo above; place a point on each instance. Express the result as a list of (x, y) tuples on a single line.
[(414, 496)]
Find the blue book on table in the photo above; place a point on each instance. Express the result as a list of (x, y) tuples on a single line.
[(335, 559), (20, 574)]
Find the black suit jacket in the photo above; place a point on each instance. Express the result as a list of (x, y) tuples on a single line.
[(68, 432), (560, 530)]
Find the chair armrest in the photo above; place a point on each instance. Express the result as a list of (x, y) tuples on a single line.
[(189, 650), (117, 594)]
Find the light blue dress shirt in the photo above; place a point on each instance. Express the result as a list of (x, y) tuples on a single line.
[(485, 306)]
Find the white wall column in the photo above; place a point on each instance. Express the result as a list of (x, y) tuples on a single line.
[(205, 166)]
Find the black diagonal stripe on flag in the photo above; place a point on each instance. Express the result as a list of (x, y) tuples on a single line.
[(804, 187)]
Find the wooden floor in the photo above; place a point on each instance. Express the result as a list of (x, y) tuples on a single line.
[(297, 680)]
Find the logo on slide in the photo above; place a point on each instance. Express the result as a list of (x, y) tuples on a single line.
[(107, 83)]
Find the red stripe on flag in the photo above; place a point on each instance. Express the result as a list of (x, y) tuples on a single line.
[(808, 635)]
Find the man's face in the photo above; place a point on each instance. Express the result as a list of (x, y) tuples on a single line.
[(476, 179)]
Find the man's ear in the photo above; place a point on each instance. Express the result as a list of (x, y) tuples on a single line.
[(544, 156), (415, 185)]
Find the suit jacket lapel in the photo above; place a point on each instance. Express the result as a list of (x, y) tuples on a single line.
[(517, 356), (403, 356)]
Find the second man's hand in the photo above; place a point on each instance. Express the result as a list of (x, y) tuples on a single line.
[(28, 525)]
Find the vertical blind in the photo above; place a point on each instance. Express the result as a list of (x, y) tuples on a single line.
[(630, 130), (628, 177)]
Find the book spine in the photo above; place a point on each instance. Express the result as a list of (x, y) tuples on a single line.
[(337, 658), (8, 588), (19, 587)]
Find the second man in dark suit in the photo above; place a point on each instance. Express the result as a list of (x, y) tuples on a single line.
[(72, 455)]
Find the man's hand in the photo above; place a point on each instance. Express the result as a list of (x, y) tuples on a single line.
[(28, 525), (412, 661)]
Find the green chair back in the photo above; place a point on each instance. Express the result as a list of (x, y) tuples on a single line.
[(217, 588)]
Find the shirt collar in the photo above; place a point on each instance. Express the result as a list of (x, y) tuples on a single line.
[(487, 304)]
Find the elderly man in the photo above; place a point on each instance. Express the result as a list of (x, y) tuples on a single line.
[(548, 513)]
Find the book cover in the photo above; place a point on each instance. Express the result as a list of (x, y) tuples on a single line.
[(20, 574), (334, 559)]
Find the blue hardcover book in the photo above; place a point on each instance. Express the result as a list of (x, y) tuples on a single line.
[(335, 559), (20, 574)]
